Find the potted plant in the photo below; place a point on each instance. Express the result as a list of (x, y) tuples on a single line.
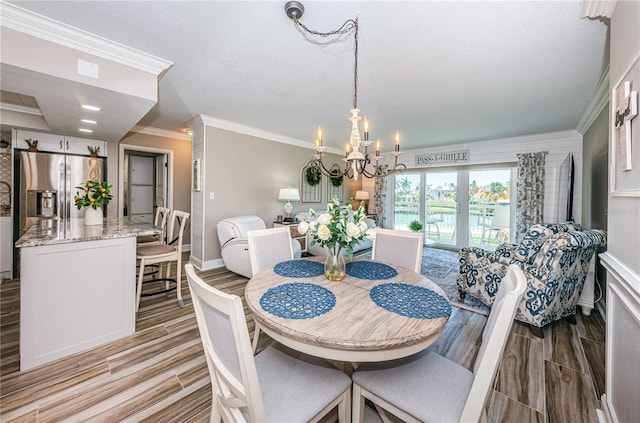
[(415, 226), (94, 195), (33, 145), (93, 151)]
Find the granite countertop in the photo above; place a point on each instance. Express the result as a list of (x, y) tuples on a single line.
[(74, 230)]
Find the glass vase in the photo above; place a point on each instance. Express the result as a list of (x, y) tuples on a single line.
[(334, 266)]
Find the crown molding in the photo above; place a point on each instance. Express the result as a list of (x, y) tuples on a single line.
[(20, 109), (27, 22), (157, 132), (596, 8), (254, 132), (599, 100)]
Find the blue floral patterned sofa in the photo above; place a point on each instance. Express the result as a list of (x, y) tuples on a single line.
[(554, 258)]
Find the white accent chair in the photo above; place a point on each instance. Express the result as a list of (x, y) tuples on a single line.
[(399, 247), (234, 245), (428, 387), (162, 214), (164, 253), (277, 385)]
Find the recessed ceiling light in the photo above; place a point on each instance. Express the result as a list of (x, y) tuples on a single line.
[(85, 130), (90, 107), (92, 122)]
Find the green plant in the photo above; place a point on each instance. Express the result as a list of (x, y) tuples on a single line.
[(313, 175), (95, 194), (336, 180), (337, 228), (415, 226), (32, 143), (93, 150)]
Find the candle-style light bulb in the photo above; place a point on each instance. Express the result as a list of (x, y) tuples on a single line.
[(378, 147), (397, 141), (319, 137), (347, 149), (366, 129)]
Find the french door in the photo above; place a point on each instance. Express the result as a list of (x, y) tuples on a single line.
[(456, 207)]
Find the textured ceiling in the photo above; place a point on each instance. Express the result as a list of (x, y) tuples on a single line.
[(439, 72)]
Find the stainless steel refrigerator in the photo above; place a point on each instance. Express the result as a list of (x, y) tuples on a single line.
[(45, 184)]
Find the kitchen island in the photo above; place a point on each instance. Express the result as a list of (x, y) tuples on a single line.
[(77, 286)]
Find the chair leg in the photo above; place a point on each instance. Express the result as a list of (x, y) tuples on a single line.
[(344, 408), (256, 335), (179, 282), (139, 287), (462, 294), (357, 407), (536, 330)]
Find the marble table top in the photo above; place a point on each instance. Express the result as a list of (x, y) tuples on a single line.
[(355, 329), (52, 232)]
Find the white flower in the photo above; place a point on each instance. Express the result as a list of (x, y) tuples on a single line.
[(362, 225), (313, 226), (370, 234), (324, 219), (324, 233), (352, 230), (303, 227)]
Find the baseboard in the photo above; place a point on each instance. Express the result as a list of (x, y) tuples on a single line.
[(206, 265)]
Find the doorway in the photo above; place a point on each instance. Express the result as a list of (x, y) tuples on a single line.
[(145, 177)]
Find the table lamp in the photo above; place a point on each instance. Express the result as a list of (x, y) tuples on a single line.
[(363, 196), (289, 194)]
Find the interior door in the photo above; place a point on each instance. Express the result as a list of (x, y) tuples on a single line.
[(141, 187), (161, 181)]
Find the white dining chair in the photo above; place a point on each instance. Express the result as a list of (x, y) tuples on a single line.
[(267, 247), (164, 254), (277, 385), (399, 247), (428, 387)]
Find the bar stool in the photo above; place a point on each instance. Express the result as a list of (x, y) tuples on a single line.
[(162, 214), (164, 253)]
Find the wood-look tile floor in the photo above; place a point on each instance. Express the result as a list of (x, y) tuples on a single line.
[(159, 373)]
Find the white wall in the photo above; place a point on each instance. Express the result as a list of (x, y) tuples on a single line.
[(499, 151)]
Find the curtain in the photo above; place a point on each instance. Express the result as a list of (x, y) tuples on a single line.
[(530, 191), (380, 196)]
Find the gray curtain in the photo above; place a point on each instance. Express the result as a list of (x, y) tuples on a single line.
[(380, 195), (530, 191)]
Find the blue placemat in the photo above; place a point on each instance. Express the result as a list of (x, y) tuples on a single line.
[(370, 270), (298, 300), (299, 268), (410, 300)]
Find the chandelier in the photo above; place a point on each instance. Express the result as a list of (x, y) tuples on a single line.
[(358, 159)]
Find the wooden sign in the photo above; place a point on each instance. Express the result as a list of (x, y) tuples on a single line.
[(461, 156)]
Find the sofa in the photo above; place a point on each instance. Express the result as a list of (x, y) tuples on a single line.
[(554, 258), (317, 250), (234, 246)]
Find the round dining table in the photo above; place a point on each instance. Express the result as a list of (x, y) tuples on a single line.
[(377, 312)]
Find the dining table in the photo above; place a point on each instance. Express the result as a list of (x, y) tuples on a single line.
[(379, 311)]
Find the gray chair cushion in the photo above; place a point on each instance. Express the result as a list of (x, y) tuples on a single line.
[(425, 385), (295, 387), (154, 250)]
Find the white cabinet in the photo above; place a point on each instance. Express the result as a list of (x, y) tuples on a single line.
[(57, 143)]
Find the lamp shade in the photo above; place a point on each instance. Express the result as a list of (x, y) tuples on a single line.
[(289, 194), (362, 195)]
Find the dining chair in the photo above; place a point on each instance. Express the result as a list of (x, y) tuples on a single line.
[(428, 387), (277, 385), (268, 247), (161, 254), (399, 247), (160, 220)]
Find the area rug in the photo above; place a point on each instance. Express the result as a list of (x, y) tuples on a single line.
[(441, 266)]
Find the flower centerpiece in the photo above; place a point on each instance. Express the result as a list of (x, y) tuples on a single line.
[(337, 229), (94, 195)]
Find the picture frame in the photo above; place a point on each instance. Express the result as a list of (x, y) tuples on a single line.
[(624, 147), (195, 175), (309, 193)]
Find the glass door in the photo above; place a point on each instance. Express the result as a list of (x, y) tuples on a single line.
[(406, 198), (440, 207), (490, 211)]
